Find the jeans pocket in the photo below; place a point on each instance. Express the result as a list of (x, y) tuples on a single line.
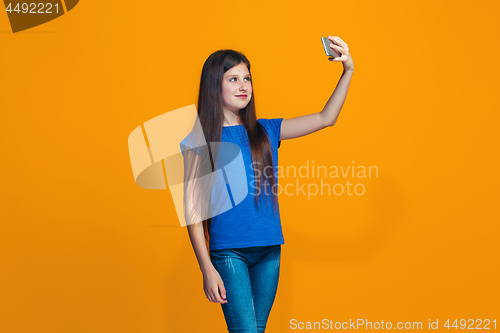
[(218, 255)]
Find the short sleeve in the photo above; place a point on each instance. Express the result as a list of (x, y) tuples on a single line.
[(187, 144), (274, 127), (184, 146)]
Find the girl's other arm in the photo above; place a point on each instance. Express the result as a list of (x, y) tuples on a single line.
[(194, 194)]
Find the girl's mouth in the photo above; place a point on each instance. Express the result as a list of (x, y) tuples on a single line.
[(241, 96)]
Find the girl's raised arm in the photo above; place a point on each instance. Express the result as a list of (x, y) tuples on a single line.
[(303, 125)]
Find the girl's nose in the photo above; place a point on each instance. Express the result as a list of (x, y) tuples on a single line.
[(244, 86)]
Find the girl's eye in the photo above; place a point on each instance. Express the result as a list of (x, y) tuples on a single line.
[(247, 78)]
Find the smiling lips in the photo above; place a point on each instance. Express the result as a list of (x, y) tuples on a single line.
[(241, 96)]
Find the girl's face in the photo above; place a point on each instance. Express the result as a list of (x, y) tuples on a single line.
[(236, 88)]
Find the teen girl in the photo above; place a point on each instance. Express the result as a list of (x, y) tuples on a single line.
[(241, 266)]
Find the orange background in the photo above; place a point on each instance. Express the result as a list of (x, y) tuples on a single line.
[(84, 249)]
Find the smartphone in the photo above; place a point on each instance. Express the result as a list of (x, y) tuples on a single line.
[(328, 50)]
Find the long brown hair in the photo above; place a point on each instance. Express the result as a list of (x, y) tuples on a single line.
[(211, 117)]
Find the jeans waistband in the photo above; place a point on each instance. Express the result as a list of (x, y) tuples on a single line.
[(251, 248)]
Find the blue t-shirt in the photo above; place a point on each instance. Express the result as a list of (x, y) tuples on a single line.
[(243, 225)]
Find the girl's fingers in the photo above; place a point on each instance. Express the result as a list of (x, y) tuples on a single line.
[(336, 46), (341, 41), (222, 291), (210, 296), (215, 297), (338, 58), (345, 48), (338, 40), (340, 50), (334, 41)]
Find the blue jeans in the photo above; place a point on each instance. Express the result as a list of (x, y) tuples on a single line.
[(250, 276)]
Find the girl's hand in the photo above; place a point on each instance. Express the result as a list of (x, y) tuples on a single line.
[(212, 283), (339, 45)]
